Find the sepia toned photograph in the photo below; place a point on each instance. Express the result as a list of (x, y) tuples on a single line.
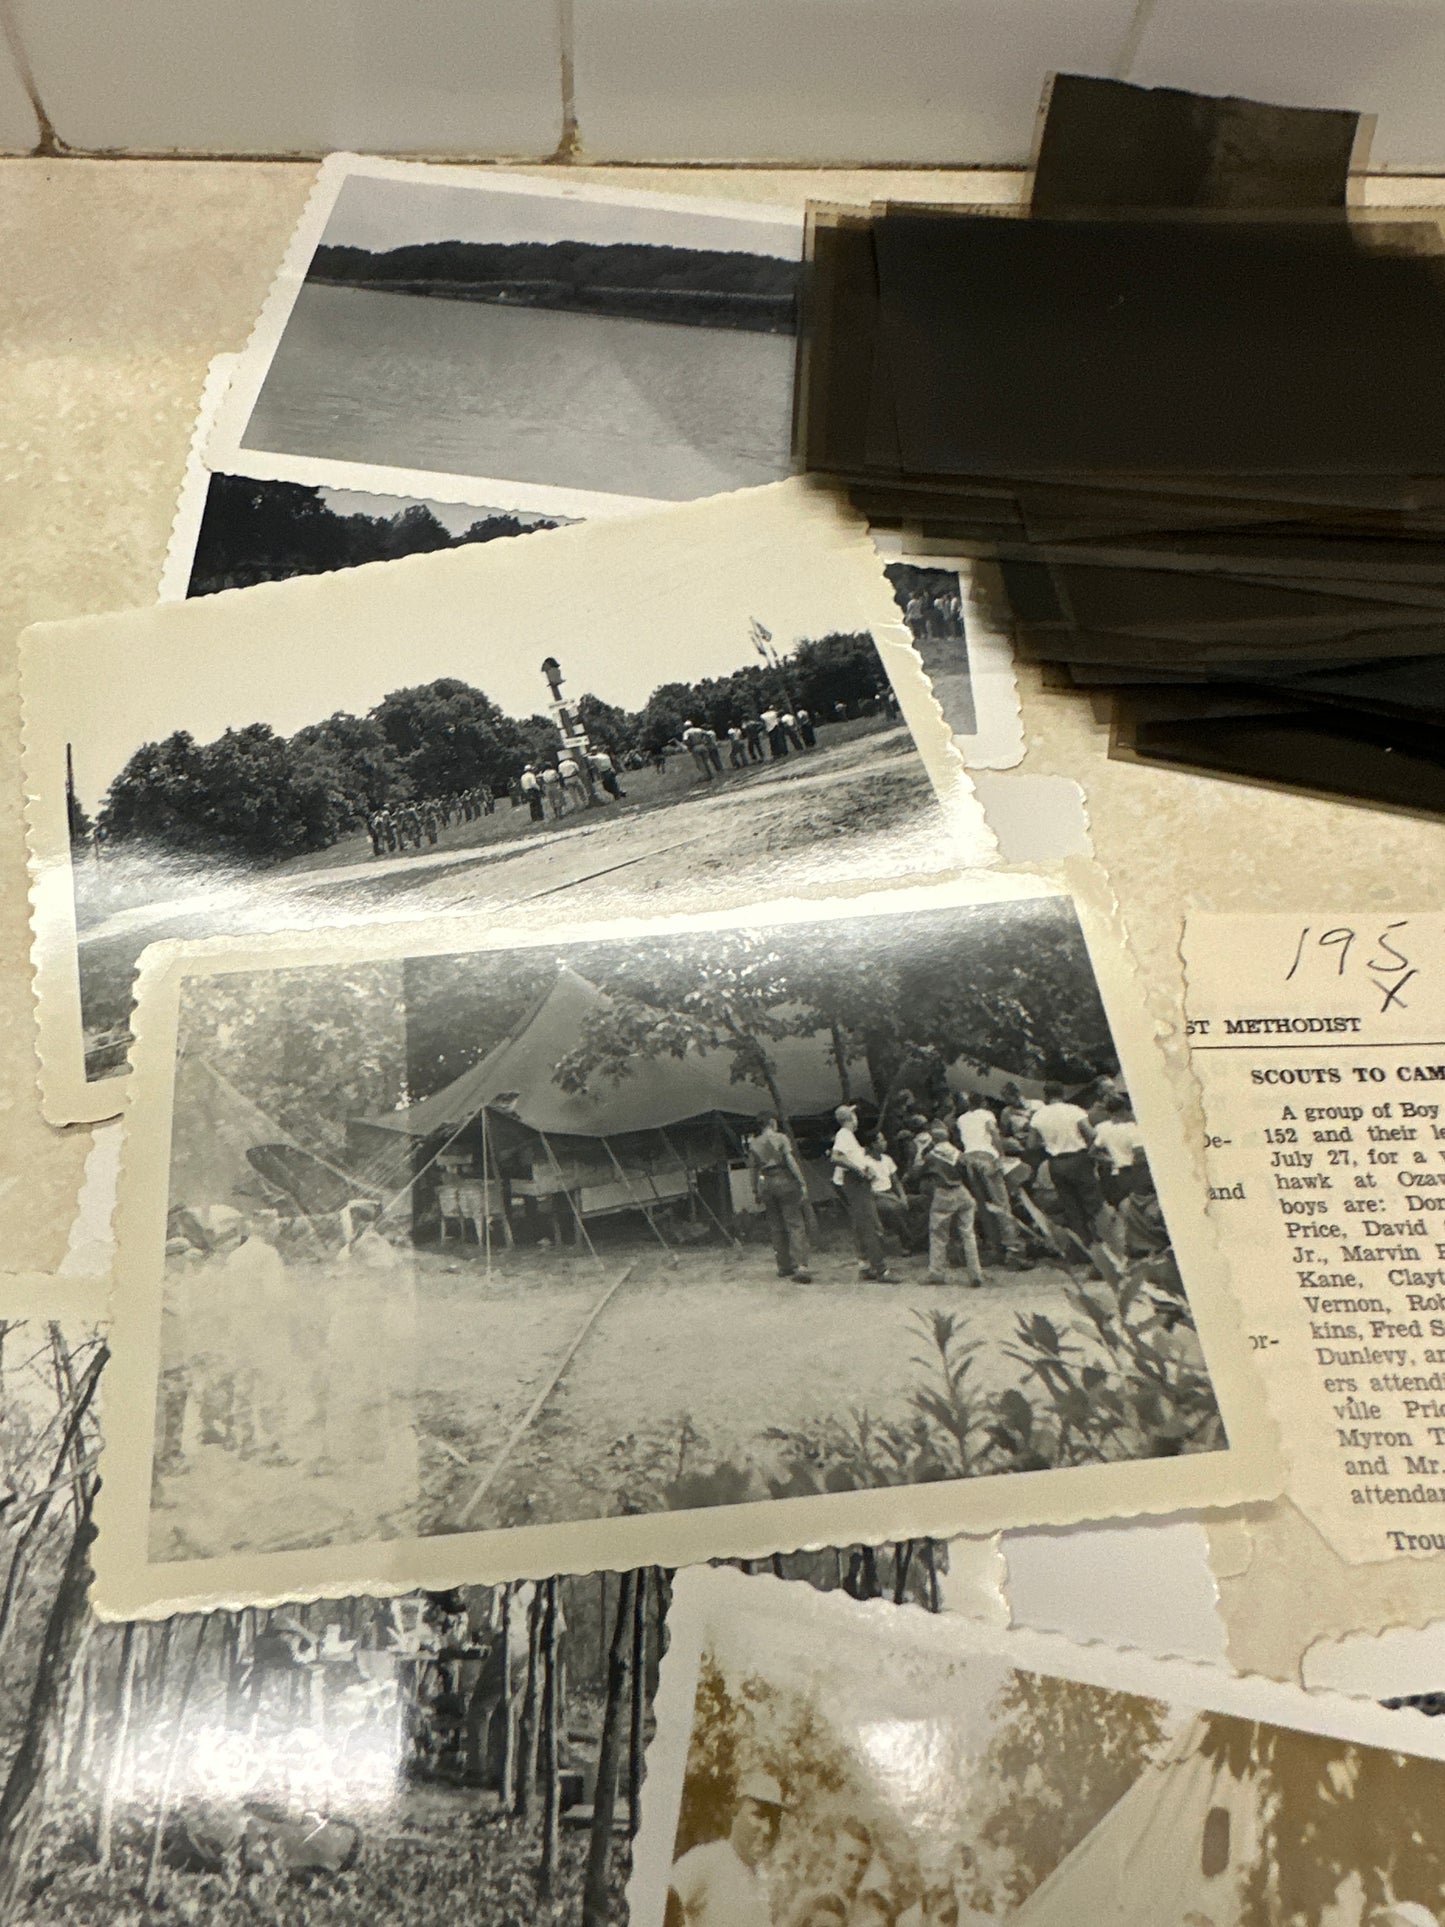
[(680, 1236), (821, 1763), (573, 350), (579, 715)]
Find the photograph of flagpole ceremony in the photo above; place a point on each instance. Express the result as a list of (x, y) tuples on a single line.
[(510, 1236), (506, 723)]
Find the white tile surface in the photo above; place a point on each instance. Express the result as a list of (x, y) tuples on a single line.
[(1385, 57), (954, 82), (476, 77), (19, 129)]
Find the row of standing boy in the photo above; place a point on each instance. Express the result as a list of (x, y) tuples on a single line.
[(946, 1171)]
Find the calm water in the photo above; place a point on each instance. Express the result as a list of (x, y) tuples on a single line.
[(581, 401)]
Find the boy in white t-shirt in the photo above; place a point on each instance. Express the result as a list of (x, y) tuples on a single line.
[(976, 1129), (1066, 1136), (1116, 1140)]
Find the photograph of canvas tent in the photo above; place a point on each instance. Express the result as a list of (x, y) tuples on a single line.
[(549, 1161), (984, 1789), (586, 1245)]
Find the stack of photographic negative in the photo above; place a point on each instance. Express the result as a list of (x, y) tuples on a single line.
[(599, 1108), (1187, 402)]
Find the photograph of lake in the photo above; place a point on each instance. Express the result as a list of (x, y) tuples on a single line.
[(546, 342)]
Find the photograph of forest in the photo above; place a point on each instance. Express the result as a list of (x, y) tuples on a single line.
[(254, 531), (364, 1760)]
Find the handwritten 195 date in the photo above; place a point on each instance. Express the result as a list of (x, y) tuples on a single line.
[(1387, 969)]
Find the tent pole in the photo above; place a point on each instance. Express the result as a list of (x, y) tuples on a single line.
[(651, 1221), (672, 1152), (416, 1177), (486, 1197), (576, 1211)]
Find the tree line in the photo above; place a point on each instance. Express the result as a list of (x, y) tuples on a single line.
[(255, 794), (270, 531), (630, 280)]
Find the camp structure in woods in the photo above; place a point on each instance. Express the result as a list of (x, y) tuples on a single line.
[(504, 1149), (557, 1231), (392, 1760)]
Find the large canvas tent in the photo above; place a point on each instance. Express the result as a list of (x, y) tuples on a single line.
[(1180, 1845), (625, 1143), (516, 1077), (231, 1153)]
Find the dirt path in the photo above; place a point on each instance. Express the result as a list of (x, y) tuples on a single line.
[(430, 1390), (694, 1365)]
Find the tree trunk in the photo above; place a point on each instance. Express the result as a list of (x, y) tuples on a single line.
[(119, 1735), (887, 1064), (74, 1742), (551, 1747), (662, 1588), (235, 1641), (21, 1813), (902, 1559), (25, 1538), (526, 1801), (595, 1908), (509, 1731), (639, 1703), (840, 1058), (155, 1694), (930, 1567), (173, 1748), (868, 1574)]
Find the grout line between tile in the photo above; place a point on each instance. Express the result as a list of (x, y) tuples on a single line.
[(49, 142), (569, 145), (1133, 38)]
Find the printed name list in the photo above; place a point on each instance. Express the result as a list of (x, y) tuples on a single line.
[(1320, 1049)]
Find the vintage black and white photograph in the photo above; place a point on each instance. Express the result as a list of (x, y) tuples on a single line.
[(360, 1759), (393, 1761), (818, 1764), (541, 1246), (565, 349), (254, 531), (571, 717), (967, 654)]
